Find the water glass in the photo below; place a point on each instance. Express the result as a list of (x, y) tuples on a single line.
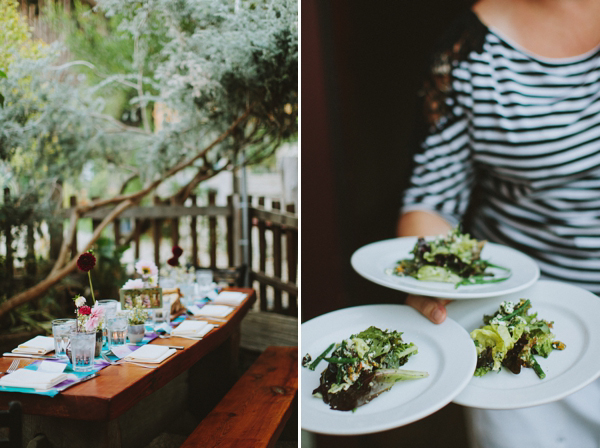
[(83, 345), (110, 310), (166, 282), (110, 307), (61, 330), (204, 279), (117, 330), (189, 292), (160, 315)]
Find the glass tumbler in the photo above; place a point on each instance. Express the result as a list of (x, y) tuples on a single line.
[(110, 307), (83, 346), (117, 330), (61, 331), (110, 310)]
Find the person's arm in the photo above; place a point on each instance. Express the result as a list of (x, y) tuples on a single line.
[(423, 223)]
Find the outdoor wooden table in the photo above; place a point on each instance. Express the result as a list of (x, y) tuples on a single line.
[(128, 405)]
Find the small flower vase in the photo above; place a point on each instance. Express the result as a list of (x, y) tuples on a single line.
[(99, 342), (135, 333)]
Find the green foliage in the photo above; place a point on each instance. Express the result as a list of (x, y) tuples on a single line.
[(15, 37), (109, 274), (204, 62)]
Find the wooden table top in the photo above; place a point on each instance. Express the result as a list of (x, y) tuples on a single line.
[(118, 388)]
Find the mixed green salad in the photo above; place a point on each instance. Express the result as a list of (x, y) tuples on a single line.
[(454, 258), (362, 367), (511, 337)]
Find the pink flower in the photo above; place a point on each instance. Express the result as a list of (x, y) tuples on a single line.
[(146, 268), (96, 316), (134, 284)]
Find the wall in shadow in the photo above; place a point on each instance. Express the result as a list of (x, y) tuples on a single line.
[(362, 66)]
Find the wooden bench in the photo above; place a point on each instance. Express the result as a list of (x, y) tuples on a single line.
[(254, 412), (262, 329)]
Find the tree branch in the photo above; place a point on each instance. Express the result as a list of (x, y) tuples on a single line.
[(55, 276), (178, 167), (124, 201)]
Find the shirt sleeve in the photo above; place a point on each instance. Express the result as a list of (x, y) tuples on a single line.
[(442, 177)]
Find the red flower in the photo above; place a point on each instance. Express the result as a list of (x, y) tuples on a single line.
[(173, 261), (177, 251), (85, 310), (86, 261)]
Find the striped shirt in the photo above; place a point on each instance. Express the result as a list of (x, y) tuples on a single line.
[(517, 137)]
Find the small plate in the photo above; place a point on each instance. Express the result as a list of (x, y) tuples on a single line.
[(374, 260), (446, 352), (574, 312)]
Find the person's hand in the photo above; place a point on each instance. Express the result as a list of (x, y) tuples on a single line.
[(433, 309)]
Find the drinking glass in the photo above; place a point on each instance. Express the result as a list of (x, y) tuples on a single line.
[(61, 330), (110, 307), (204, 279), (166, 282), (117, 330), (189, 292), (83, 345), (110, 310)]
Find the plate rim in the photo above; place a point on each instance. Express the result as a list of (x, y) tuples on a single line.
[(465, 398), (449, 294), (426, 411)]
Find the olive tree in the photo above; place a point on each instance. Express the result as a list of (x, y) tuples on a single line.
[(227, 71)]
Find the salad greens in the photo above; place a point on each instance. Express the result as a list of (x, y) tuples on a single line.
[(362, 367), (511, 337), (454, 258)]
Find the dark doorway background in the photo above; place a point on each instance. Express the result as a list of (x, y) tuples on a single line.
[(362, 66)]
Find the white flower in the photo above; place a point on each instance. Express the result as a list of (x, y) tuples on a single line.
[(80, 301), (134, 284), (146, 268)]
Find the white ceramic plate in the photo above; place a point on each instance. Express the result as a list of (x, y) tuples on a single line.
[(574, 312), (446, 352), (374, 260)]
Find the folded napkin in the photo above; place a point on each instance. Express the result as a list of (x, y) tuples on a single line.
[(40, 345), (234, 297), (32, 379), (214, 310), (192, 328), (150, 354)]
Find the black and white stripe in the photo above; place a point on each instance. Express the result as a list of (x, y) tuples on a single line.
[(523, 131)]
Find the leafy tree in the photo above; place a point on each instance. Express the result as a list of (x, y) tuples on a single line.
[(225, 70)]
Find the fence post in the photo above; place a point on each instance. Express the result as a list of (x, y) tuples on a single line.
[(9, 250), (174, 228), (95, 222), (230, 230), (291, 240), (262, 256), (136, 236), (194, 233), (237, 230), (73, 203), (250, 225), (212, 231), (56, 225), (30, 264), (156, 234), (277, 259)]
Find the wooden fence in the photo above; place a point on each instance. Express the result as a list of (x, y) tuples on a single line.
[(272, 246)]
